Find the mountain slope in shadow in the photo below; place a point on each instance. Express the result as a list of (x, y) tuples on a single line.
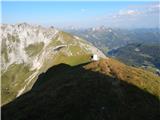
[(74, 93)]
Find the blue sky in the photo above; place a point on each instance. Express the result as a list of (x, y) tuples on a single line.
[(83, 14)]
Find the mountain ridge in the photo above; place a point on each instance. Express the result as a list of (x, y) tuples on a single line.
[(83, 94), (28, 50), (145, 80)]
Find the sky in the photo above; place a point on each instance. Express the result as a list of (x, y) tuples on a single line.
[(83, 14)]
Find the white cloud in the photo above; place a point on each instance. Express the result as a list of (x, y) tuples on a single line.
[(141, 16), (128, 12), (143, 10)]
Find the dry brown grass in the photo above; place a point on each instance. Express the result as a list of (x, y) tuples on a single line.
[(143, 79)]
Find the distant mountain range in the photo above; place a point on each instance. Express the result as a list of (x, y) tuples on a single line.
[(112, 38)]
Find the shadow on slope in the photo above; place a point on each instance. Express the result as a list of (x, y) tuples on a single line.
[(73, 93)]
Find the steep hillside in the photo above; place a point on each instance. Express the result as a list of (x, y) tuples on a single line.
[(29, 50), (100, 90), (138, 77), (146, 56)]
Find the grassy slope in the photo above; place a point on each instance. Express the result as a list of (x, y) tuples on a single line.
[(13, 80), (34, 49), (141, 78), (62, 55), (73, 93)]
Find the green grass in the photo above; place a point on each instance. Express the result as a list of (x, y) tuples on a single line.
[(34, 49), (54, 42), (4, 51), (62, 55), (72, 60), (13, 81)]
